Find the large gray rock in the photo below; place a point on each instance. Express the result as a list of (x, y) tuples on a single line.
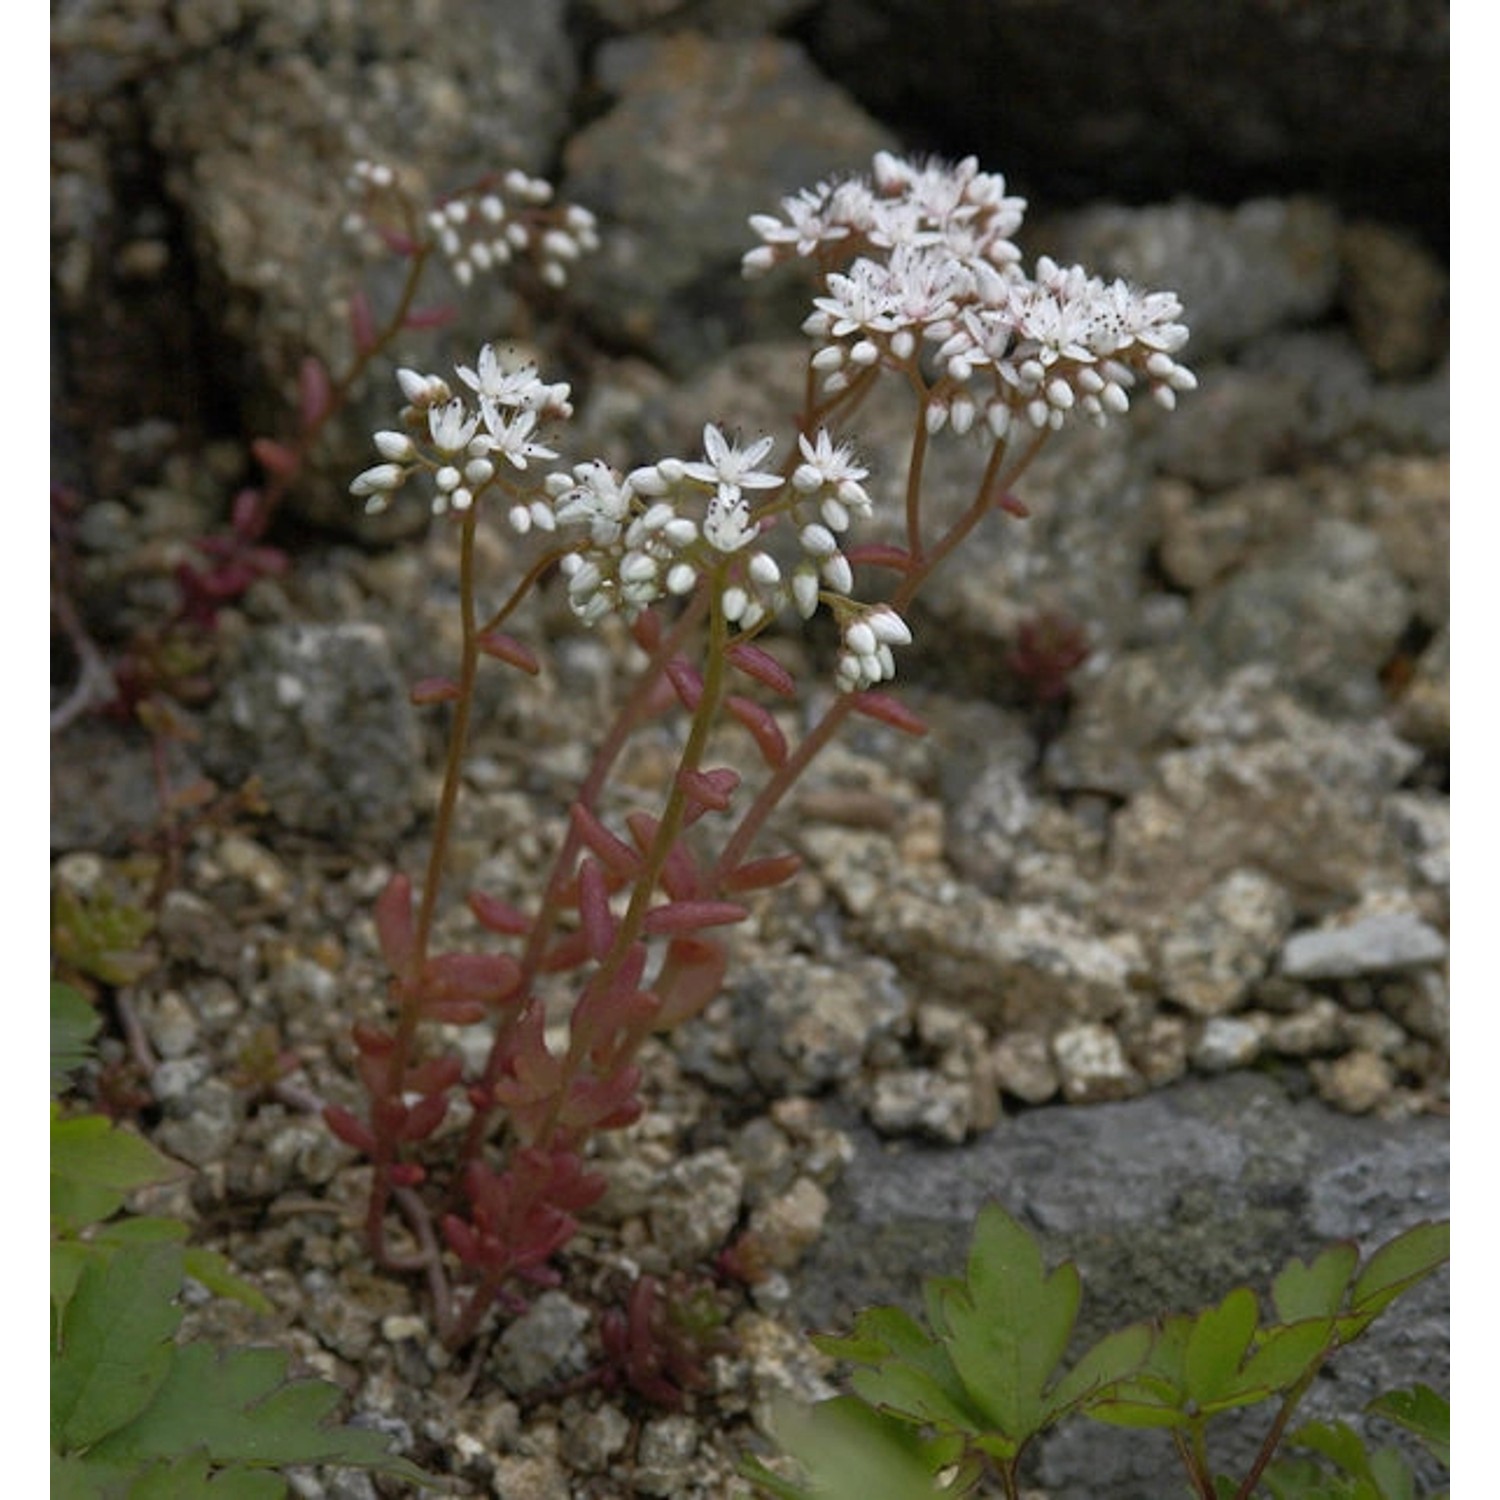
[(703, 133), (1225, 98), (1166, 1203)]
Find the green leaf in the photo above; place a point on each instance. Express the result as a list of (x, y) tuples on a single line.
[(1115, 1358), (74, 1024), (909, 1372), (1303, 1291), (1396, 1267), (850, 1452), (214, 1273), (115, 1346), (239, 1407), (88, 1148), (1421, 1411), (1285, 1354), (1156, 1395), (1009, 1325), (1217, 1346)]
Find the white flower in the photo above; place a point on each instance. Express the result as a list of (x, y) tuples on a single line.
[(451, 426), (518, 387), (866, 658), (511, 436), (726, 523), (378, 481), (726, 464)]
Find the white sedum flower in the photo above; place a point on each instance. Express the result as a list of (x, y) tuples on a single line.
[(726, 464)]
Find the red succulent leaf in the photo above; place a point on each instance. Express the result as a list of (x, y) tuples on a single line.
[(763, 667), (764, 729), (349, 1128), (761, 874), (485, 978), (613, 852), (888, 710), (393, 924), (690, 916), (362, 321), (691, 975), (314, 390), (430, 690), (879, 555), (593, 908), (708, 791), (423, 1117), (498, 916), (508, 649), (276, 458), (686, 680)]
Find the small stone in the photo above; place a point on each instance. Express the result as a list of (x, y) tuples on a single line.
[(244, 859), (1357, 1082), (1214, 948), (590, 1443), (543, 1345), (1093, 1065), (1024, 1067), (539, 1477), (1369, 1031), (170, 1024), (788, 1226), (663, 1455), (400, 1326), (697, 1206), (1317, 1027), (918, 1101), (1159, 1049), (1375, 944), (1227, 1042)]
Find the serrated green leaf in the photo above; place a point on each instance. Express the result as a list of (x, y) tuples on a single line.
[(1115, 1358), (90, 1152), (1302, 1479), (1396, 1267), (851, 1452), (1303, 1291), (1217, 1347), (1338, 1442), (1285, 1355), (74, 1025), (1155, 1396), (1010, 1325), (69, 1257), (141, 1229), (214, 1273), (879, 1333), (239, 1407), (1392, 1475), (1422, 1412), (115, 1347), (907, 1372)]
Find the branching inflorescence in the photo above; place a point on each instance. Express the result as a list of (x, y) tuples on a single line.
[(918, 278)]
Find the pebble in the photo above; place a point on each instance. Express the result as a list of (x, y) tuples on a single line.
[(1356, 1082), (544, 1344), (1227, 1042), (1092, 1065), (1375, 944)]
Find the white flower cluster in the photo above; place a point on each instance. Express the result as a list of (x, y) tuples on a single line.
[(657, 530), (654, 533), (459, 441), (919, 272), (488, 227)]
